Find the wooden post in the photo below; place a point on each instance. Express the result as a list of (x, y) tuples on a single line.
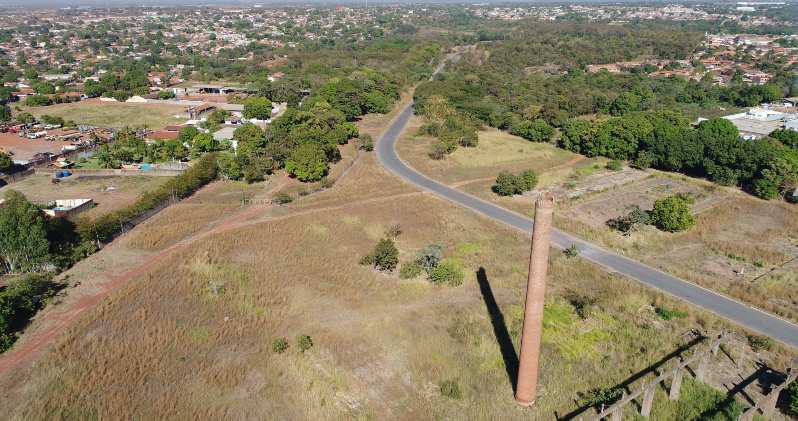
[(648, 400), (676, 384), (617, 414), (700, 371), (769, 403), (748, 415)]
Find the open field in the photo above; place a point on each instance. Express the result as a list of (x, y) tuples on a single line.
[(190, 336), (94, 112), (496, 151), (109, 193)]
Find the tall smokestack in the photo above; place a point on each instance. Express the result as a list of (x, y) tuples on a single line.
[(527, 385)]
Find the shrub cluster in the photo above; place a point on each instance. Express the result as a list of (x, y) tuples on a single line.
[(670, 214), (508, 184)]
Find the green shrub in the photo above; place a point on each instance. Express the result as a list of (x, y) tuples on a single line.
[(672, 214), (614, 165), (598, 397), (508, 184), (365, 143), (282, 198), (19, 301), (572, 251), (429, 257), (668, 314), (410, 270), (304, 342), (447, 272), (279, 345), (384, 257), (631, 221), (450, 389), (792, 398), (760, 343)]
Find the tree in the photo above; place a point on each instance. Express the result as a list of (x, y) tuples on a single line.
[(258, 107), (505, 184), (203, 142), (23, 234), (535, 130), (5, 113), (93, 89), (307, 163), (5, 162), (788, 137), (25, 118), (672, 214), (105, 158), (577, 134), (384, 257), (187, 135)]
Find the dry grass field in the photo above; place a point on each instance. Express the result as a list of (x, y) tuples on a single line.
[(109, 193), (114, 114), (741, 246), (191, 336)]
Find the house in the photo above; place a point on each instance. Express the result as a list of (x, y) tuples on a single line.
[(197, 111), (67, 207)]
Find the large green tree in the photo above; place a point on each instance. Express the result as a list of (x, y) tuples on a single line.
[(258, 107), (307, 163), (23, 234)]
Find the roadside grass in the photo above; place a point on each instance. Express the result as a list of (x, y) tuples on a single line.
[(109, 193), (113, 114)]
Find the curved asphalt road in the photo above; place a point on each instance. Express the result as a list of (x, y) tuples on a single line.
[(730, 309)]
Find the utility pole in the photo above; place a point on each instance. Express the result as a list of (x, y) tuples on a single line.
[(526, 388)]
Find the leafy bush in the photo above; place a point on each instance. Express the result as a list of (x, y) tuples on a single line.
[(614, 165), (535, 130), (279, 345), (19, 301), (792, 397), (668, 314), (429, 257), (365, 143), (447, 272), (508, 184), (672, 214), (760, 343), (571, 251), (384, 257), (450, 389), (304, 342), (410, 270), (598, 397), (631, 221), (282, 198)]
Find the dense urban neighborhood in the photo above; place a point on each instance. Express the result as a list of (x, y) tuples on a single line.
[(314, 211)]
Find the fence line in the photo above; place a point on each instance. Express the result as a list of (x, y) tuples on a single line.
[(615, 411)]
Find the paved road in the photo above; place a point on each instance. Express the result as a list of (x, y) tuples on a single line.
[(730, 309)]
